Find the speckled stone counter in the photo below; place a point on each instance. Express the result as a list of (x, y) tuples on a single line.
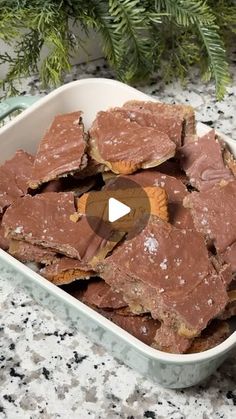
[(48, 370)]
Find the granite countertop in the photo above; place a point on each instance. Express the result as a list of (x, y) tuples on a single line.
[(48, 370)]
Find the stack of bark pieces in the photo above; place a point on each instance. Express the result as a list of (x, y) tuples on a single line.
[(171, 286)]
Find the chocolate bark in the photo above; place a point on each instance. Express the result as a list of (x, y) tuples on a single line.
[(14, 176), (158, 271), (169, 341), (175, 189), (203, 162), (172, 125), (229, 256), (167, 110), (45, 220), (66, 270), (61, 151), (214, 214), (100, 294), (27, 252), (213, 335), (124, 146)]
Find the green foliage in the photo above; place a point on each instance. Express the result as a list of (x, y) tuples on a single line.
[(138, 37)]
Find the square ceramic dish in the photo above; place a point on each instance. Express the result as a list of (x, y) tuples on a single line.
[(25, 131)]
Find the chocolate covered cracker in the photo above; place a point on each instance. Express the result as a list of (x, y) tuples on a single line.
[(178, 112), (203, 162), (160, 272), (66, 270), (45, 220), (27, 252), (124, 146), (100, 294), (213, 335), (214, 214), (14, 176), (61, 151)]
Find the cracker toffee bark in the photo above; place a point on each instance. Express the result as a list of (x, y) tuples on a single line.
[(175, 189), (14, 176), (203, 162), (66, 270), (61, 151), (179, 112), (124, 146), (185, 292), (45, 220), (214, 214), (28, 252)]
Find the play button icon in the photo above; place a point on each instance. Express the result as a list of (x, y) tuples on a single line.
[(116, 210), (122, 205)]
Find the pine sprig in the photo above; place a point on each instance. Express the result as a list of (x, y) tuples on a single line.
[(138, 37)]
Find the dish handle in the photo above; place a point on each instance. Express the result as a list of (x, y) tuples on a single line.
[(16, 103)]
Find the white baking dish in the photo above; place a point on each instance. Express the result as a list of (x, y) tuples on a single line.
[(25, 131)]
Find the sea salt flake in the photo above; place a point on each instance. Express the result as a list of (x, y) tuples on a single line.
[(163, 264), (210, 302), (19, 230), (161, 290), (151, 245)]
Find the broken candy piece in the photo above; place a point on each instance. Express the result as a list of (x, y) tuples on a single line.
[(66, 270), (100, 294), (213, 335), (99, 200), (167, 340), (45, 220), (175, 189), (124, 146), (203, 162), (27, 252), (158, 271), (214, 214), (61, 151), (14, 176), (166, 110), (171, 125)]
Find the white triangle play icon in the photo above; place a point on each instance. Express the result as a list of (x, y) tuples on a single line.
[(116, 210)]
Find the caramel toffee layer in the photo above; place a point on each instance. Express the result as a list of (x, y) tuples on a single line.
[(61, 150), (66, 270), (28, 252), (14, 176), (160, 272)]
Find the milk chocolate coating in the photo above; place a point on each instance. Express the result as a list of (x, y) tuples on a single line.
[(27, 252), (101, 295), (203, 162), (167, 340), (172, 125), (115, 139), (45, 220), (184, 112), (214, 214), (61, 151), (160, 271), (229, 256), (14, 176), (142, 327), (4, 243)]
